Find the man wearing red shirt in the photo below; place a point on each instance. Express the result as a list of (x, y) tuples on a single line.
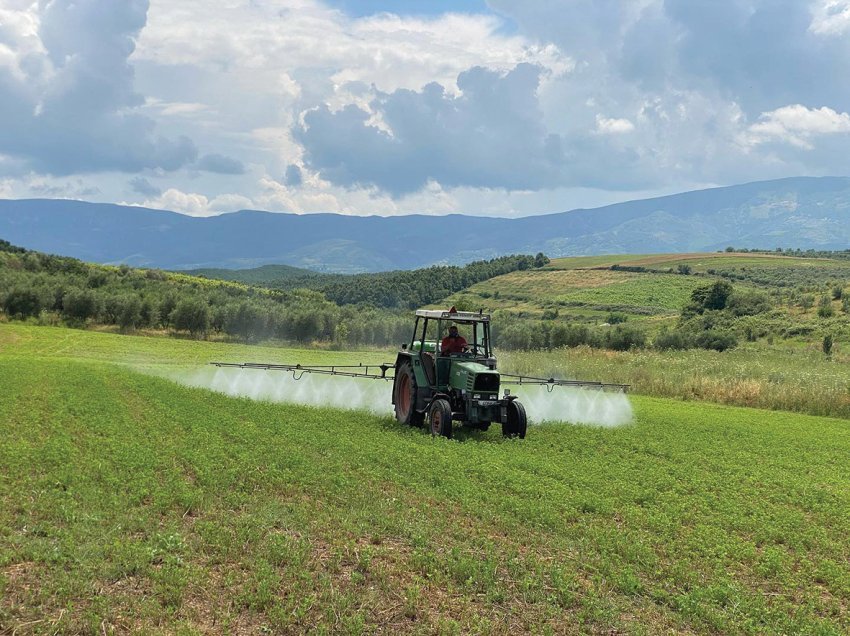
[(453, 343)]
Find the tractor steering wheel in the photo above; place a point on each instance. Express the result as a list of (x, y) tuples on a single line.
[(474, 348)]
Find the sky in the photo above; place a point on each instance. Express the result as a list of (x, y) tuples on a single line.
[(389, 107)]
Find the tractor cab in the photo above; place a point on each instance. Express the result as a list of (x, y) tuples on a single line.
[(437, 351)]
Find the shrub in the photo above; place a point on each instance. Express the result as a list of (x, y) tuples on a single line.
[(837, 292), (246, 321), (715, 339), (616, 318), (191, 315), (21, 303), (129, 312), (677, 339), (79, 304), (827, 343), (623, 338), (748, 303), (825, 309), (570, 336), (709, 297)]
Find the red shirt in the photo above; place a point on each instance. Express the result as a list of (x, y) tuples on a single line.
[(452, 344)]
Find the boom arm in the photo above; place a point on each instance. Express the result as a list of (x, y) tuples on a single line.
[(549, 383), (370, 371)]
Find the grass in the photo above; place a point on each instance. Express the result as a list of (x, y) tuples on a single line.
[(131, 504), (586, 288), (784, 377)]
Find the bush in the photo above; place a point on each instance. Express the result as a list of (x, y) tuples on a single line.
[(715, 339), (709, 297), (623, 338), (21, 303), (129, 312), (827, 344), (748, 303), (79, 304), (569, 336), (616, 318), (246, 321), (191, 315), (825, 309), (837, 292), (672, 340)]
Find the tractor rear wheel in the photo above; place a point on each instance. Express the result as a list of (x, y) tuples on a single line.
[(405, 396), (517, 423), (440, 418)]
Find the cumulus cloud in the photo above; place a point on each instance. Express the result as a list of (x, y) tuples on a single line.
[(393, 113), (607, 126), (831, 17), (797, 125), (68, 88), (491, 134), (196, 204)]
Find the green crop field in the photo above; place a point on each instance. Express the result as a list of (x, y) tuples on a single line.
[(132, 504)]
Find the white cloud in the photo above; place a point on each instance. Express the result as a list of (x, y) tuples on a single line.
[(831, 17), (607, 126), (633, 96), (230, 203), (192, 204), (290, 37), (797, 125)]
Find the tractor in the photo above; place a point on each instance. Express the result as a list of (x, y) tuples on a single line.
[(441, 387), (435, 385)]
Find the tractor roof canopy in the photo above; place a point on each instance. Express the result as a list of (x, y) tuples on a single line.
[(457, 316)]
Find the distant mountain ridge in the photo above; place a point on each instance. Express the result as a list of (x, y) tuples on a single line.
[(805, 212)]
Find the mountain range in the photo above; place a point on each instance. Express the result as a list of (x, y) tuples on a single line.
[(800, 212)]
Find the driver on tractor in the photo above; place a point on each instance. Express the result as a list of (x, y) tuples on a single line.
[(453, 343)]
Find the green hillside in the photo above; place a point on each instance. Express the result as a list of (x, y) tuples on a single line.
[(648, 285), (280, 276), (133, 504)]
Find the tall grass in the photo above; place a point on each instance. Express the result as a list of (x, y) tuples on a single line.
[(788, 378)]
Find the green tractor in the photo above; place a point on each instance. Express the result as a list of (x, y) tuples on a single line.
[(441, 380), (458, 384)]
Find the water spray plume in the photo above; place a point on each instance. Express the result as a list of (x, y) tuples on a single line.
[(576, 406)]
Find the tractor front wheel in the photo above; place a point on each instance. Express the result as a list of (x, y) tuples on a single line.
[(440, 418), (405, 396), (517, 423)]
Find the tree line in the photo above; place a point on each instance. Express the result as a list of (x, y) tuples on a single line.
[(401, 289), (368, 311)]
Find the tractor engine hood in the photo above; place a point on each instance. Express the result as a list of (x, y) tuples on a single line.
[(473, 376)]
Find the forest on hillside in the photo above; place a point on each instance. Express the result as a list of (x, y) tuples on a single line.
[(401, 289), (363, 310)]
